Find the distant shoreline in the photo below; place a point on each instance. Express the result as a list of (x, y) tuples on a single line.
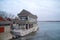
[(48, 21)]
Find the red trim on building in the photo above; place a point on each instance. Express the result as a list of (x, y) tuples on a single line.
[(2, 29), (2, 19)]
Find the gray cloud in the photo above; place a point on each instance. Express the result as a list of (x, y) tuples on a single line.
[(44, 9)]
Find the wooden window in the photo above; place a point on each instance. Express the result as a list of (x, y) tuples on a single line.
[(23, 18)]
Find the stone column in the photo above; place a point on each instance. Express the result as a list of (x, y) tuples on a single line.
[(28, 26), (24, 27)]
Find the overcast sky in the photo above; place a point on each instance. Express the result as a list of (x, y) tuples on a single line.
[(44, 9)]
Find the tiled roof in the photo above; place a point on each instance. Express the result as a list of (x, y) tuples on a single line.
[(26, 13), (2, 19), (4, 22)]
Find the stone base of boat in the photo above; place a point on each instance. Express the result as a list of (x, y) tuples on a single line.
[(5, 36), (21, 32)]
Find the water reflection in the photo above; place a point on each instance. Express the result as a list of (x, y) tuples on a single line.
[(27, 37)]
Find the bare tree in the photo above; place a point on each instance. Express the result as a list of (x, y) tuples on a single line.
[(3, 14), (6, 15)]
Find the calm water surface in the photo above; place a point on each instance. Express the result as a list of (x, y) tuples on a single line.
[(47, 31)]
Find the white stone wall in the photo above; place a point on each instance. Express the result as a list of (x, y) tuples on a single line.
[(35, 25), (6, 34), (7, 29), (31, 19)]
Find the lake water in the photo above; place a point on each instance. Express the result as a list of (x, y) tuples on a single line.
[(47, 31)]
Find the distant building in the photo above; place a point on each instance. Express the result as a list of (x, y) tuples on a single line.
[(5, 29)]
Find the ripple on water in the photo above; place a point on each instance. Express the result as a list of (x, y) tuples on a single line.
[(47, 31)]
